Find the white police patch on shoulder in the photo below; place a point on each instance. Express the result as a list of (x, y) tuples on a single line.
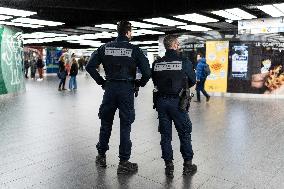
[(113, 51), (168, 66)]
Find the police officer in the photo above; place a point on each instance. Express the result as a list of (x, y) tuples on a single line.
[(170, 75), (119, 59)]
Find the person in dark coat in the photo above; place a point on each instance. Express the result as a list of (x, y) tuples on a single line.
[(40, 65), (201, 78), (172, 74), (62, 73), (26, 65), (73, 74), (33, 68), (120, 59)]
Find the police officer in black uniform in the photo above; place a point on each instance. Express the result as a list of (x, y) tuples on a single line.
[(170, 75), (120, 60)]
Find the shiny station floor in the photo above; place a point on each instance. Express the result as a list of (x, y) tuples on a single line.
[(48, 138)]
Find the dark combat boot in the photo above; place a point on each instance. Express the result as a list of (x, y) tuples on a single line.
[(189, 168), (169, 170), (101, 160), (126, 167)]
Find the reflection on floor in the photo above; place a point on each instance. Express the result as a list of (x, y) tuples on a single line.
[(48, 138)]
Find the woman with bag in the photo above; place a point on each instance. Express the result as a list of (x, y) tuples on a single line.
[(62, 73)]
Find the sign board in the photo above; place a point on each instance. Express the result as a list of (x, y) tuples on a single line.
[(262, 25)]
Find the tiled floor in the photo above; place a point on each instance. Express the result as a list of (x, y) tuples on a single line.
[(48, 138)]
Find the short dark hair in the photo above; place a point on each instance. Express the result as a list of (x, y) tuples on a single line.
[(200, 54), (168, 41), (123, 27)]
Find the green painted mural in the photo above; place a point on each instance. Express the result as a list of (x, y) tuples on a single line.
[(11, 61)]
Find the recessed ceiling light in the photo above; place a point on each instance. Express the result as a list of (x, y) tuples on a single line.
[(143, 25), (194, 28), (20, 24), (197, 18), (165, 21), (234, 14), (15, 12), (3, 17), (272, 10), (36, 21), (107, 26)]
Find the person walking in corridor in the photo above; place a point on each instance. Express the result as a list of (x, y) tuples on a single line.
[(120, 59), (172, 75), (40, 66), (26, 65), (201, 75), (62, 73), (73, 74)]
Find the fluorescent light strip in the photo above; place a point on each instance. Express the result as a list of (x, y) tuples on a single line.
[(73, 38), (197, 18), (107, 26), (40, 35), (279, 6), (145, 32), (88, 36), (234, 14), (152, 51), (227, 15), (3, 17), (31, 41), (271, 10), (20, 24), (36, 21), (240, 13), (15, 12), (86, 42), (98, 35), (194, 28), (70, 41), (143, 25), (165, 21)]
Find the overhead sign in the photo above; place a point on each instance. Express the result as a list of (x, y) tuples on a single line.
[(262, 25)]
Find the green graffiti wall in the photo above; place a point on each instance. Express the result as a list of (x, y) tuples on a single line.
[(11, 61)]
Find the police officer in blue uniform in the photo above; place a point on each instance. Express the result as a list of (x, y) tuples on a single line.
[(170, 75), (120, 60)]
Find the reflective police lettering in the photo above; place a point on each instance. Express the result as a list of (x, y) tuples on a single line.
[(113, 51), (168, 66)]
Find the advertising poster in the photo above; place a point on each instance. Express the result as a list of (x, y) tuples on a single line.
[(265, 69), (3, 89), (268, 76), (52, 57), (239, 61), (217, 53), (11, 61)]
